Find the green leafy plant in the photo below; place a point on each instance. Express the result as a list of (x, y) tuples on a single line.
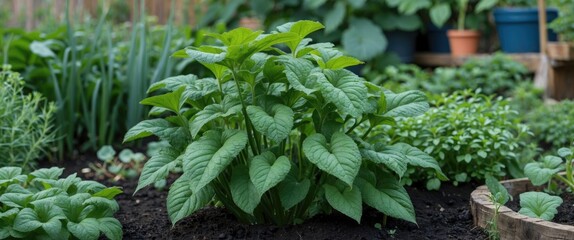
[(41, 205), (539, 205), (496, 74), (552, 125), (274, 136), (26, 122), (543, 172), (499, 197), (564, 23), (126, 164), (470, 134), (464, 7)]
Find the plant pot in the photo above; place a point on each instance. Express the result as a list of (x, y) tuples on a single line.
[(512, 225), (402, 43), (437, 38), (560, 51), (463, 42), (518, 29)]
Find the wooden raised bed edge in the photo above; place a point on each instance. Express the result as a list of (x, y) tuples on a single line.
[(562, 51), (513, 225)]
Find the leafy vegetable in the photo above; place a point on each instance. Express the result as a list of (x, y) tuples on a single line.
[(40, 205), (539, 205), (283, 134)]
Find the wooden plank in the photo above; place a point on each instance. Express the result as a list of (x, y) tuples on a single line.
[(530, 60), (512, 225)]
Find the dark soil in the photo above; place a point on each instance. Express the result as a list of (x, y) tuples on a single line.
[(565, 213), (441, 214)]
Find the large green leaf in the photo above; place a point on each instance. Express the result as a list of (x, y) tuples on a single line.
[(29, 219), (158, 167), (440, 13), (344, 89), (182, 201), (86, 229), (213, 152), (392, 159), (302, 29), (159, 127), (228, 107), (335, 17), (206, 54), (340, 157), (243, 191), (9, 174), (406, 104), (539, 205), (541, 172), (413, 156), (173, 83), (266, 171), (291, 191), (201, 88), (348, 201), (388, 196), (171, 101), (111, 227), (363, 39), (275, 126), (48, 173), (298, 71), (341, 62)]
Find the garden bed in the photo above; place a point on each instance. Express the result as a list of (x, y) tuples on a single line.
[(511, 224), (443, 214)]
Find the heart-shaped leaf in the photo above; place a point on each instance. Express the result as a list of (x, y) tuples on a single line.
[(228, 107), (86, 229), (541, 172), (276, 126), (539, 205), (182, 201), (340, 157), (158, 167), (266, 171), (348, 201), (243, 192), (291, 191), (344, 89), (388, 196), (212, 153)]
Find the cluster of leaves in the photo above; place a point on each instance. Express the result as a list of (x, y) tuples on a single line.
[(358, 25), (526, 97), (42, 206), (470, 134), (497, 74), (552, 125), (274, 135), (26, 122), (564, 23)]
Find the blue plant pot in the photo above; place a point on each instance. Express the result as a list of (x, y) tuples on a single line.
[(518, 28), (437, 38), (402, 43)]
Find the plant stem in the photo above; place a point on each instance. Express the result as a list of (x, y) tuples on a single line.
[(463, 5)]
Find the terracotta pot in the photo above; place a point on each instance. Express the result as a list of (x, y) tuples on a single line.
[(463, 42)]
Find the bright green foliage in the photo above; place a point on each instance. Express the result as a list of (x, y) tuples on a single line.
[(41, 206), (498, 192), (564, 23), (552, 125), (26, 122), (497, 74), (549, 169), (468, 133), (274, 136), (539, 205)]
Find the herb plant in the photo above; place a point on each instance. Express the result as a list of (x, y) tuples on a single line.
[(498, 196), (470, 134), (552, 125), (564, 23), (274, 135), (41, 205), (26, 130)]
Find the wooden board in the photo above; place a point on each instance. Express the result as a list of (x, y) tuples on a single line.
[(531, 60), (512, 225)]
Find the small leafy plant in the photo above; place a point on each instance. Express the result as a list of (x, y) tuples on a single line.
[(41, 205), (280, 133), (564, 23), (547, 170), (552, 125), (126, 165), (539, 205), (499, 197), (470, 134), (26, 130)]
